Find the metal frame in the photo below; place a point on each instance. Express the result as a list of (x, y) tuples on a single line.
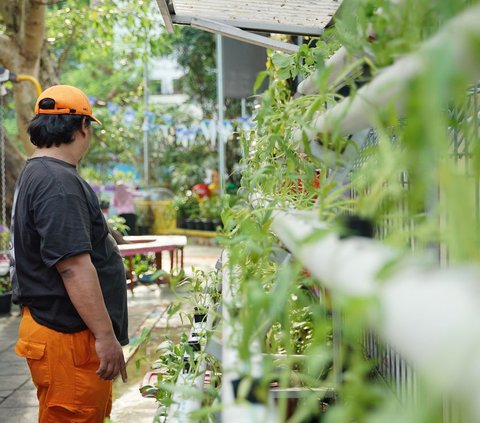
[(162, 5), (238, 34)]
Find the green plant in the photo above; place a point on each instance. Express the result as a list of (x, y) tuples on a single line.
[(169, 365), (417, 180), (198, 296), (201, 288), (117, 223), (5, 284), (143, 263), (187, 205), (104, 203), (211, 207), (413, 180)]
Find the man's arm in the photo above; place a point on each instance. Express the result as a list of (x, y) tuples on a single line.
[(83, 288)]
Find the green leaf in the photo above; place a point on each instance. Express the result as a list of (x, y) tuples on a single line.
[(284, 73), (259, 80), (282, 60)]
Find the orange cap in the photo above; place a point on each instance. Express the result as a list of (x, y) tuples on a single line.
[(68, 101)]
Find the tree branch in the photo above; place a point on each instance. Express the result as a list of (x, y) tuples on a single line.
[(10, 11), (48, 74), (66, 50)]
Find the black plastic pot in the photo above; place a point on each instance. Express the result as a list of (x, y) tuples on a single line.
[(5, 303), (199, 318), (208, 225), (194, 344), (181, 221)]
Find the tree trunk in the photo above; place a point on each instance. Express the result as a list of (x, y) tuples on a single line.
[(14, 162), (20, 52), (23, 94)]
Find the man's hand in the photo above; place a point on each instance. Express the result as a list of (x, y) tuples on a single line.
[(111, 358)]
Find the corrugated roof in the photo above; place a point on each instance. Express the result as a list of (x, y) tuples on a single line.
[(303, 17)]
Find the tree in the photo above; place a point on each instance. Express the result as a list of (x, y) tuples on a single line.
[(21, 40), (195, 51), (49, 39)]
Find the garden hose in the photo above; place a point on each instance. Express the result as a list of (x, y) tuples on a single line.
[(10, 76), (31, 79)]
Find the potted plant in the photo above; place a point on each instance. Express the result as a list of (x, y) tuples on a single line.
[(210, 210), (187, 209)]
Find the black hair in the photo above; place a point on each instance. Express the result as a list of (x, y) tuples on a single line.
[(46, 130)]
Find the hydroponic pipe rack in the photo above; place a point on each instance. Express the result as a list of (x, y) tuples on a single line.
[(431, 316)]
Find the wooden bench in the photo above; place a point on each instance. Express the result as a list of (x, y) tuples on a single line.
[(157, 244)]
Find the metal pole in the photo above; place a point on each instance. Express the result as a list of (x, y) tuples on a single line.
[(220, 105), (3, 179), (145, 122), (475, 123)]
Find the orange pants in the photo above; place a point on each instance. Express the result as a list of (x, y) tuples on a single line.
[(63, 367)]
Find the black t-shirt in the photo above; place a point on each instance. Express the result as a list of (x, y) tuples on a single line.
[(56, 215)]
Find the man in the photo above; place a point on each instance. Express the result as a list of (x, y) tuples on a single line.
[(67, 273)]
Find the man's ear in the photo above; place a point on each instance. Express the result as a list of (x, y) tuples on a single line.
[(84, 127)]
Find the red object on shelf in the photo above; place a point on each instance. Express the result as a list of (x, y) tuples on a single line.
[(201, 190), (315, 182)]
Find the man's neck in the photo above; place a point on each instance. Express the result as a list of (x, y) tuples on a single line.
[(57, 153)]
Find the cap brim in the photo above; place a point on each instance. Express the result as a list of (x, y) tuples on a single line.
[(96, 120)]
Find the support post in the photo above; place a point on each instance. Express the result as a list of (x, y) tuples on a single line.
[(146, 175), (220, 105)]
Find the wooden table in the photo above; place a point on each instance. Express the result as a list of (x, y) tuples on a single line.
[(145, 244)]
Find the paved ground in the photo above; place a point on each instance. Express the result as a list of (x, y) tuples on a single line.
[(18, 402)]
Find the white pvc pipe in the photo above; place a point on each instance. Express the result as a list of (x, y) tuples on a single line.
[(430, 316), (187, 396), (457, 37), (335, 64), (334, 259)]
